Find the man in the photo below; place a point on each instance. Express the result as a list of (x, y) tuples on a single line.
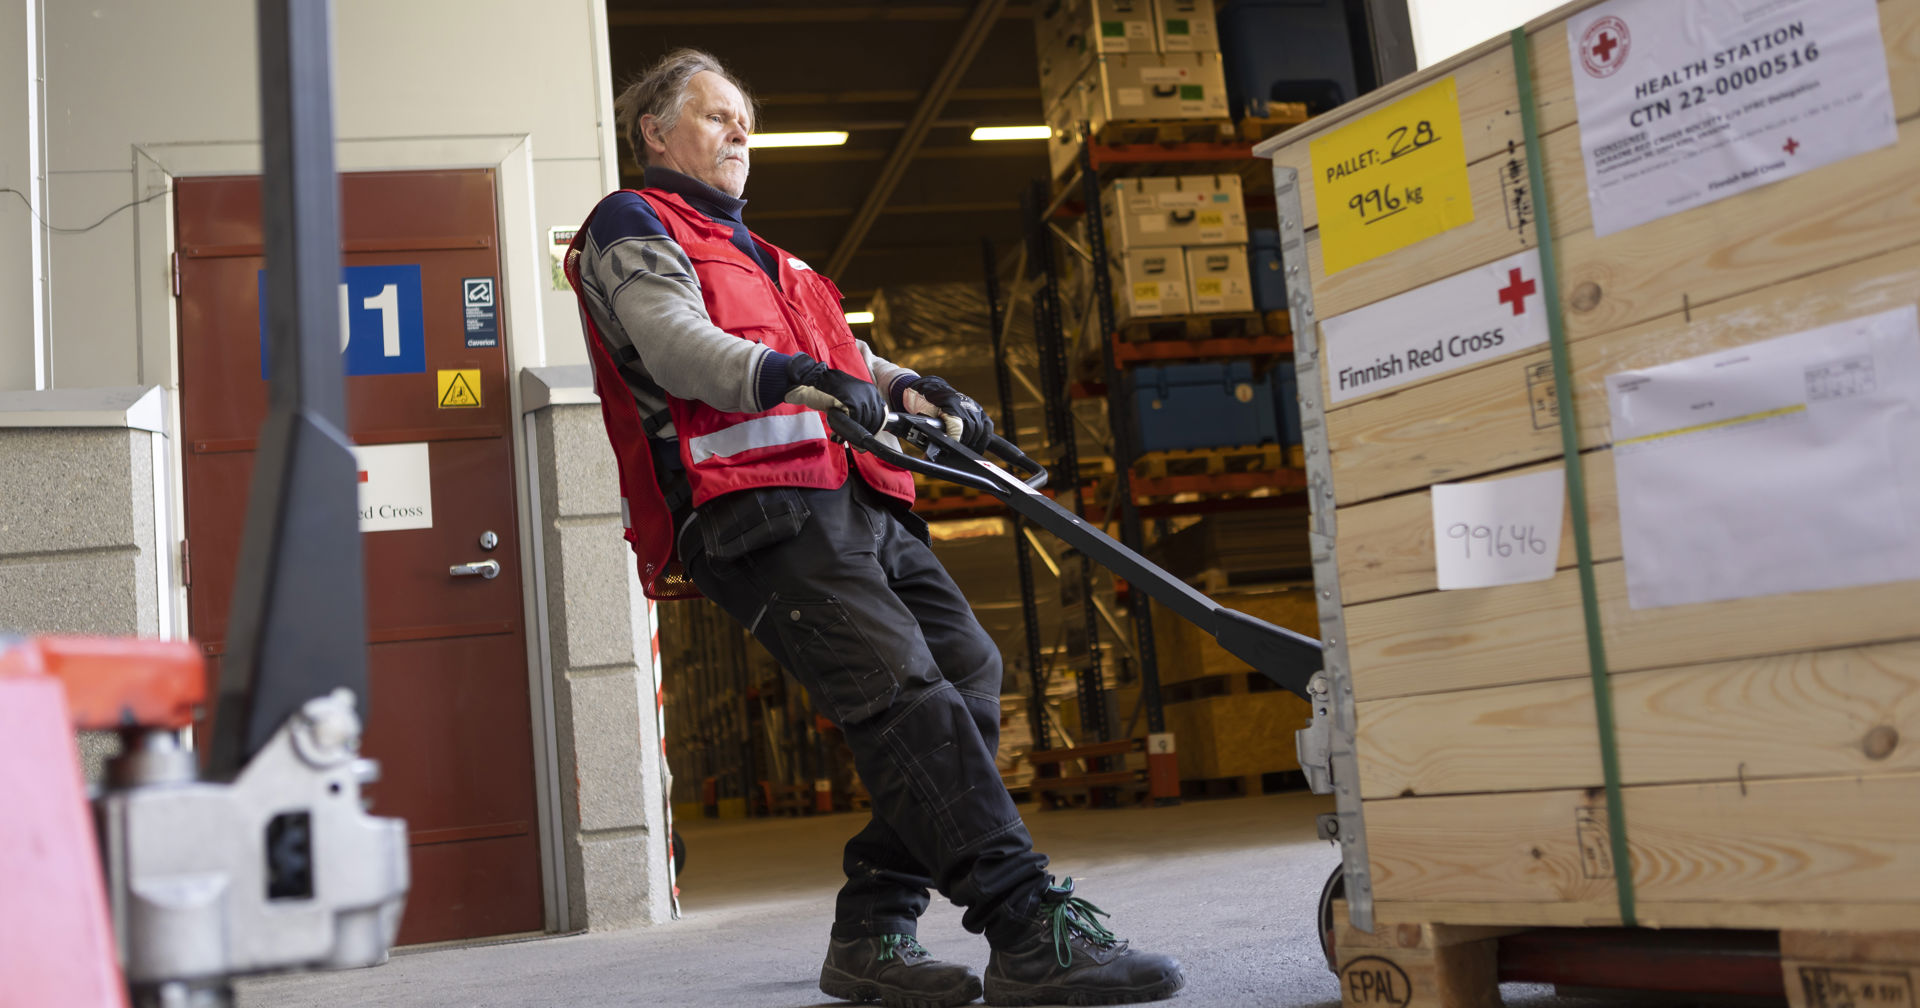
[(713, 352)]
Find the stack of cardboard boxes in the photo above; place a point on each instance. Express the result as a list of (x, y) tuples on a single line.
[(1104, 61), (1178, 245)]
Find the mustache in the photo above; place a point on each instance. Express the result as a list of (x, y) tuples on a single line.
[(731, 150)]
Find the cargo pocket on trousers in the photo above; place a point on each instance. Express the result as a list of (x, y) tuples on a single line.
[(833, 657), (741, 522)]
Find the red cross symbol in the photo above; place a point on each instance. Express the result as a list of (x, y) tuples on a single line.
[(1791, 146), (1516, 291), (363, 475), (1604, 49)]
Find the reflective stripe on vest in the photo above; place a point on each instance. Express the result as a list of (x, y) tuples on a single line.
[(759, 432)]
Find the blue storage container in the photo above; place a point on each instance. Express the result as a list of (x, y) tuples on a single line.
[(1286, 50), (1263, 262), (1202, 406), (1286, 398)]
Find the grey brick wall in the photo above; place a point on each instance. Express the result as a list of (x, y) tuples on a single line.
[(599, 657)]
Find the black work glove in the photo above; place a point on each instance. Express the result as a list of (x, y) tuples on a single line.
[(859, 398), (937, 398)]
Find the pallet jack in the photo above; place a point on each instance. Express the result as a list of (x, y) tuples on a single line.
[(263, 857)]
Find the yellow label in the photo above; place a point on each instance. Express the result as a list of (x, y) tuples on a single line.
[(1213, 219), (1207, 288), (459, 389), (1146, 292), (1391, 178)]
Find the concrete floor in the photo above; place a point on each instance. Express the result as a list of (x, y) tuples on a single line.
[(1228, 886)]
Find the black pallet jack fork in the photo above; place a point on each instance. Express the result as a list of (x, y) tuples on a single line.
[(1291, 660)]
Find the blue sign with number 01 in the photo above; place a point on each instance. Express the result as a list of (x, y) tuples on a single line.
[(381, 328)]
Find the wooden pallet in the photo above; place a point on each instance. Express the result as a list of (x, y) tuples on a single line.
[(1202, 687), (1194, 328), (1851, 969), (1409, 964), (1215, 580), (1243, 785), (1280, 116), (1209, 461), (1123, 132)]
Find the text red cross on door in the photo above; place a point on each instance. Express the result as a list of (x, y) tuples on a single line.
[(1605, 47), (1516, 291)]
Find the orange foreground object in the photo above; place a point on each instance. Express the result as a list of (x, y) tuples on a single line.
[(117, 682), (56, 940)]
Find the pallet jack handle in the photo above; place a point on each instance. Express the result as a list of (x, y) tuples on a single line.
[(1291, 660)]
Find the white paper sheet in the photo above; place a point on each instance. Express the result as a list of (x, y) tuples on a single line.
[(1683, 102), (1498, 532), (1782, 466), (396, 487)]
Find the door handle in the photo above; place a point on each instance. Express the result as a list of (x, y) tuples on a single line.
[(488, 569)]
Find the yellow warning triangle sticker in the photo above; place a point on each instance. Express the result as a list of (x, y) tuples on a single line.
[(459, 389)]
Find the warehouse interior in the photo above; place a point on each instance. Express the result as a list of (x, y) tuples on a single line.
[(1629, 733)]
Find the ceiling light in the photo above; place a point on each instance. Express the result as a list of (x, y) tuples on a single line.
[(833, 138), (1011, 133), (859, 317)]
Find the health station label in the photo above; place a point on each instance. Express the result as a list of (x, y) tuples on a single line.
[(1391, 178), (1682, 104)]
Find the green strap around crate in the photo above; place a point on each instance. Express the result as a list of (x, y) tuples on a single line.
[(1576, 478)]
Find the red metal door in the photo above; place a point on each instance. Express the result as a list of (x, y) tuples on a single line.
[(449, 716)]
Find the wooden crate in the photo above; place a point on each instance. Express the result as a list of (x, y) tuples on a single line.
[(1237, 736), (1766, 777)]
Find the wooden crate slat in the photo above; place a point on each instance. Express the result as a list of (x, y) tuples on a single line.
[(1448, 641), (1805, 840), (1852, 710), (1730, 912), (1486, 419), (1386, 545)]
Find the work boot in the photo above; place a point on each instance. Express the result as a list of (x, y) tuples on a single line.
[(896, 971), (1068, 957)]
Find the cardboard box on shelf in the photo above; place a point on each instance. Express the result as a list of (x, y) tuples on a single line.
[(1217, 276), (1174, 210), (1150, 283)]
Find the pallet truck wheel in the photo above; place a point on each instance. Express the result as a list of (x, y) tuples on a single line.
[(1336, 888), (679, 849)]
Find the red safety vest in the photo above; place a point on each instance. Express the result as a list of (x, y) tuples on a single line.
[(788, 445)]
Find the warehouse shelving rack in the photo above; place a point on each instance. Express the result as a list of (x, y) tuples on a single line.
[(1039, 280)]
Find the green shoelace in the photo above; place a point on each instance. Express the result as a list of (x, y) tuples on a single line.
[(1068, 914), (900, 946)]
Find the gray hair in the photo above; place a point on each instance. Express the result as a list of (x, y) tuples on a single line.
[(661, 92)]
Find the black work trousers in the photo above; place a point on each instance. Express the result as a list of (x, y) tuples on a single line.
[(860, 611)]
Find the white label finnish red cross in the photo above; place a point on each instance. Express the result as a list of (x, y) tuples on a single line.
[(1486, 312)]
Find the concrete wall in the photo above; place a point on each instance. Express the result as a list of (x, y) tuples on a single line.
[(600, 665), (77, 555), (19, 239), (128, 74)]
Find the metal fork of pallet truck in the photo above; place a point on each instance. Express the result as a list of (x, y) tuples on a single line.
[(1291, 660)]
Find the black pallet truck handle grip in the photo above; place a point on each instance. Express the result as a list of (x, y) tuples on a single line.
[(930, 435)]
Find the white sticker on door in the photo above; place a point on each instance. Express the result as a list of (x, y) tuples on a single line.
[(396, 487)]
